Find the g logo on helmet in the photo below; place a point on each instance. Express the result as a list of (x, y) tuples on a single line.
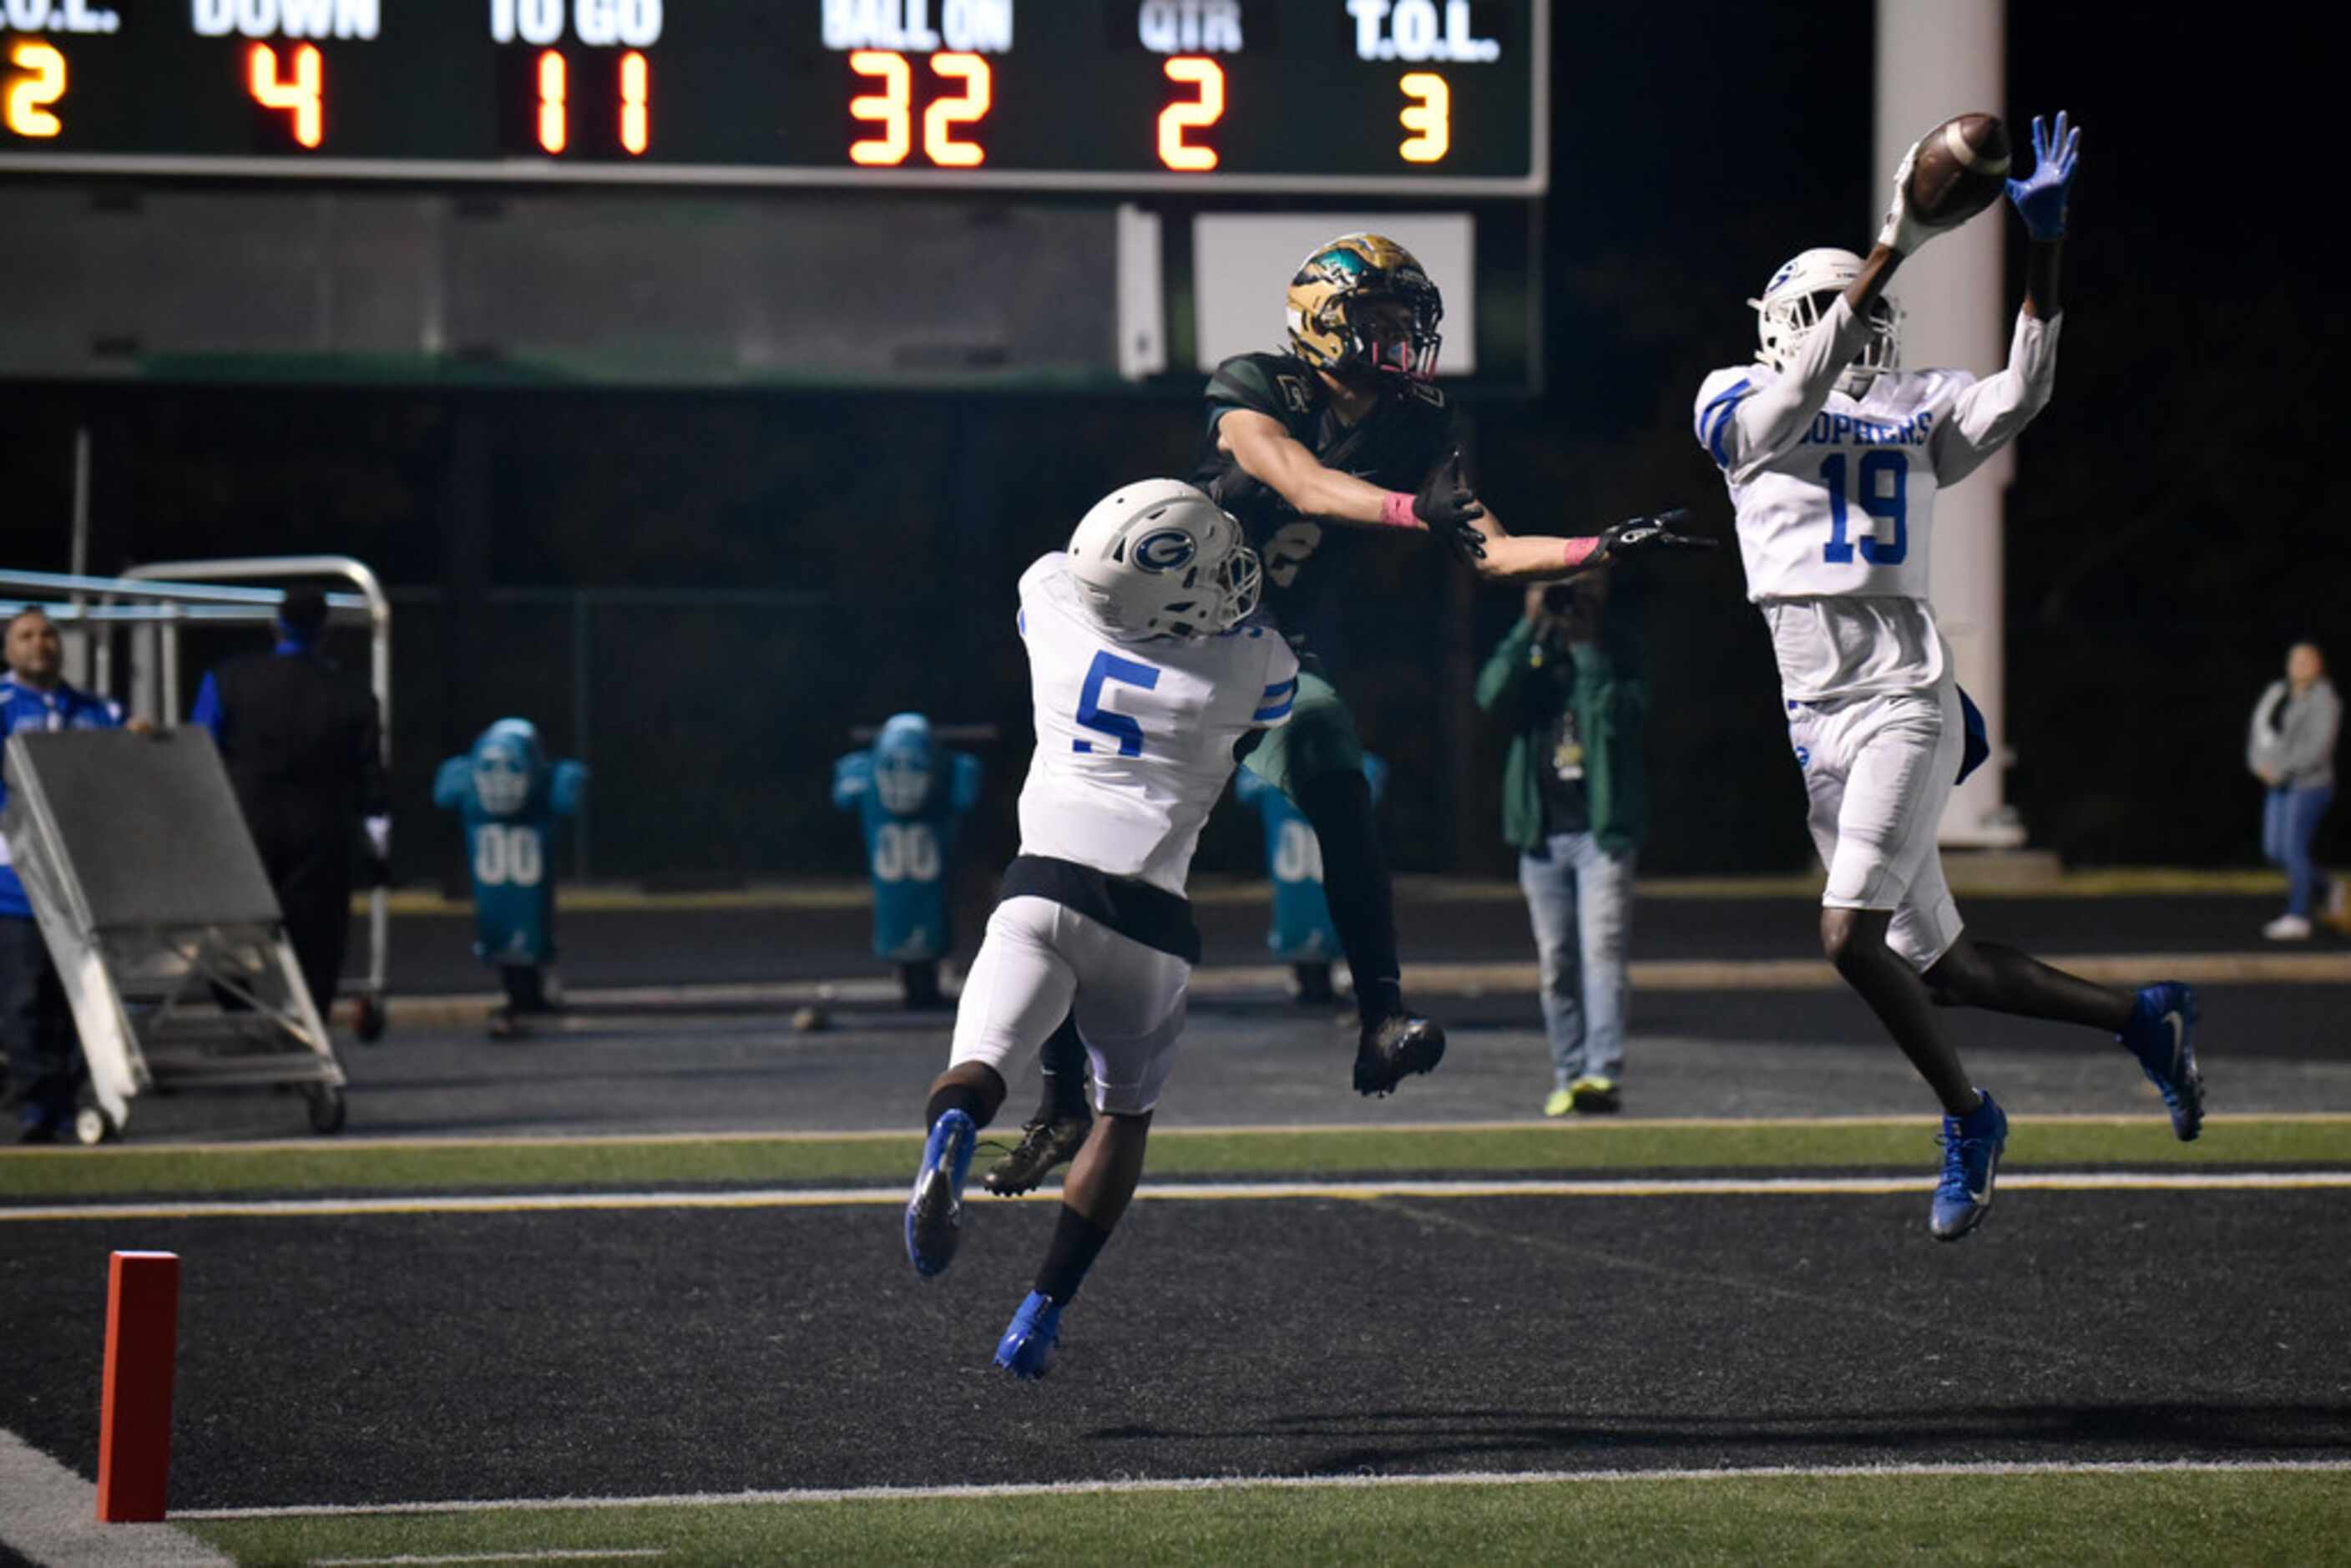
[(1165, 550)]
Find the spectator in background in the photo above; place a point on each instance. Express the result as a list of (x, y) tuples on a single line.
[(1575, 805), (2291, 749), (301, 740), (35, 1025)]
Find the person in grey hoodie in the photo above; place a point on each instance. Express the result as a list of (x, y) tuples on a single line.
[(2291, 749)]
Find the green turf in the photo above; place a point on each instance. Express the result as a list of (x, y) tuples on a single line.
[(2181, 1517), (1537, 1148)]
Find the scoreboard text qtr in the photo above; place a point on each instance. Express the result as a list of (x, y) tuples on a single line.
[(1446, 96)]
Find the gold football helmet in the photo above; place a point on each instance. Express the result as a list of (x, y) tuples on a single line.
[(1337, 322)]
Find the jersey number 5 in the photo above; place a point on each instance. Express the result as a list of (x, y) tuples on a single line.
[(1108, 666), (1889, 472)]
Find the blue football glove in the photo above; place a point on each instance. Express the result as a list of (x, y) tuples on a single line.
[(2039, 197)]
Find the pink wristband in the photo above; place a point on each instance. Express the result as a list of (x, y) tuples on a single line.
[(1578, 551), (1395, 511)]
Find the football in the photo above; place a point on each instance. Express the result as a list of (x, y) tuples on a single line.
[(1961, 168)]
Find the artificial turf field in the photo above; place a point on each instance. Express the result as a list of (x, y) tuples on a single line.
[(1362, 1306)]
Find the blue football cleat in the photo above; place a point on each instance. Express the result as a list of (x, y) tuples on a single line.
[(1027, 1348), (2162, 1034), (935, 1213), (1972, 1146)]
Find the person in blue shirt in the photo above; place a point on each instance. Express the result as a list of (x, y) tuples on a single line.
[(911, 799), (36, 1024), (509, 798)]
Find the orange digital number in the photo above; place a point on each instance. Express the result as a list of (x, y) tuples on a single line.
[(1430, 113), (554, 120), (27, 113), (940, 119), (892, 109), (636, 91), (301, 96), (1204, 109)]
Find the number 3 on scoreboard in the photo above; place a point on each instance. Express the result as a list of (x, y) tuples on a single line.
[(27, 115)]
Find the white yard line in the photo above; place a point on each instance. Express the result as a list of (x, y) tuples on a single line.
[(1246, 1192), (1588, 1128), (49, 1515), (1223, 1483)]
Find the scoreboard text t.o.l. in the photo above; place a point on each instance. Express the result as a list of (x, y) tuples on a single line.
[(1374, 97)]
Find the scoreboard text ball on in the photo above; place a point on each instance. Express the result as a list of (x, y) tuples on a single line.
[(1393, 97)]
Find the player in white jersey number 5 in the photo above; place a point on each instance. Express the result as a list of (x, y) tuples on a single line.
[(1144, 678), (1833, 454)]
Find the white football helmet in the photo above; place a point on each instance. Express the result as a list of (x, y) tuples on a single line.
[(1159, 558), (1800, 294)]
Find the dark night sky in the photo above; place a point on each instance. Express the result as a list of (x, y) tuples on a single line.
[(2175, 520)]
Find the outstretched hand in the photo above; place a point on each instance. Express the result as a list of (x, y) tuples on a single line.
[(1640, 536), (2039, 197), (1446, 506)]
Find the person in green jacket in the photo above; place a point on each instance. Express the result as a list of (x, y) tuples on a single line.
[(1574, 803)]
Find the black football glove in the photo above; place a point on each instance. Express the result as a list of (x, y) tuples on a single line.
[(1446, 504), (1637, 536)]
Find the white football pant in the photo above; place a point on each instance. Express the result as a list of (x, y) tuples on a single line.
[(1877, 771), (1038, 961)]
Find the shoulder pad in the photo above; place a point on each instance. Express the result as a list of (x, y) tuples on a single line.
[(1281, 385)]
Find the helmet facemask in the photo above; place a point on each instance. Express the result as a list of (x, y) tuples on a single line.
[(1799, 301), (1361, 307)]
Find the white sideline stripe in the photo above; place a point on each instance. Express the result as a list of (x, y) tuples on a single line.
[(1259, 1191), (1292, 1483), (50, 1515), (552, 1555), (1588, 1128)]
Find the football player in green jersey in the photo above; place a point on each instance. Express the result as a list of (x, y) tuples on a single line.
[(1318, 451)]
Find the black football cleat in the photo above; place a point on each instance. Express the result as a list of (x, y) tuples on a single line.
[(1044, 1143), (1396, 1048)]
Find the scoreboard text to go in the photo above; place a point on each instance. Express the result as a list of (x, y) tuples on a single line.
[(1429, 94)]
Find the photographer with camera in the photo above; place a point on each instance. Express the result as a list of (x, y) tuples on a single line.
[(1574, 803)]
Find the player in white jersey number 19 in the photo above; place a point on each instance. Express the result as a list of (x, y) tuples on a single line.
[(1144, 675), (1833, 454)]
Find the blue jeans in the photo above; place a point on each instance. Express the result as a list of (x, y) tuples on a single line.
[(2290, 820), (1580, 899)]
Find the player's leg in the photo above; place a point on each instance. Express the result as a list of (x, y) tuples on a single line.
[(1019, 987), (1893, 762), (1064, 1118), (1603, 900), (1317, 760), (1130, 1008), (2156, 1024), (1547, 880)]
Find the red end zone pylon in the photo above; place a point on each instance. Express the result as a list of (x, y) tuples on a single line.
[(134, 1422)]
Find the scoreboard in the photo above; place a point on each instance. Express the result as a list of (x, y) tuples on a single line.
[(1387, 98)]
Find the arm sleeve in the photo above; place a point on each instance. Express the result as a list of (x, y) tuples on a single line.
[(851, 776), (208, 707), (2310, 744), (1989, 414), (570, 783), (1505, 672), (1745, 427), (451, 781), (1280, 693)]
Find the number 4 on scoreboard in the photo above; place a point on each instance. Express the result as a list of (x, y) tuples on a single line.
[(302, 95)]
